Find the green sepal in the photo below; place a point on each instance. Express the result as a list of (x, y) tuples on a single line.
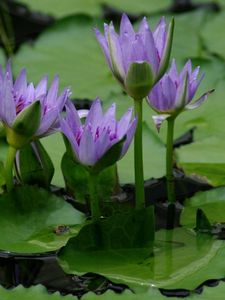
[(24, 126), (109, 158), (139, 80), (166, 56), (34, 166)]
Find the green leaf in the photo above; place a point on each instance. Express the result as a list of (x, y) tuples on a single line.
[(204, 159), (110, 157), (29, 217), (212, 202), (120, 231), (77, 182), (34, 166), (181, 260), (213, 35), (37, 292), (209, 293), (139, 80), (69, 48)]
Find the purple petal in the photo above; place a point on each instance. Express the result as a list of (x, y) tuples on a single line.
[(129, 136), (173, 73), (109, 119), (158, 120), (160, 37), (124, 123), (87, 150), (48, 123), (20, 84), (30, 94), (169, 91), (52, 93), (72, 117), (104, 45), (62, 99), (149, 45), (116, 54), (95, 114), (193, 86), (41, 88), (187, 69), (7, 104), (199, 101), (66, 130), (102, 144), (182, 96)]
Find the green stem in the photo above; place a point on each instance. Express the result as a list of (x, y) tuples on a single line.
[(9, 167), (169, 161), (94, 199), (138, 158)]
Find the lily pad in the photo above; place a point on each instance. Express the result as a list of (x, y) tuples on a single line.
[(69, 48), (212, 34), (209, 293), (211, 202), (37, 292), (204, 159), (32, 220), (181, 260), (59, 9)]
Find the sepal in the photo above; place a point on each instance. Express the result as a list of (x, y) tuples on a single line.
[(139, 80)]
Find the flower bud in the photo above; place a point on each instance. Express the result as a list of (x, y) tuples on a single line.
[(33, 165), (139, 80), (25, 126)]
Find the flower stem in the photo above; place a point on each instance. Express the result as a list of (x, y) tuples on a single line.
[(169, 174), (94, 199), (9, 167), (138, 158), (169, 161)]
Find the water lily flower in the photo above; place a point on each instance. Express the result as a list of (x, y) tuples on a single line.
[(92, 140), (137, 59), (175, 92), (27, 111), (98, 142)]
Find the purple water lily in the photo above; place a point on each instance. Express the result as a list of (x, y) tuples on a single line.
[(93, 139), (17, 95), (128, 47), (174, 92)]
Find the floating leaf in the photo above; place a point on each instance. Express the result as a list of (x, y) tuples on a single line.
[(212, 202), (69, 48), (181, 260), (29, 218), (37, 292)]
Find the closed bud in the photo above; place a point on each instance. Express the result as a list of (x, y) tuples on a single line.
[(25, 126), (33, 165), (139, 80)]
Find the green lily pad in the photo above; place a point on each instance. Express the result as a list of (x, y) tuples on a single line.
[(59, 9), (204, 159), (69, 48), (181, 260), (212, 202), (213, 35), (37, 292), (64, 8), (29, 220)]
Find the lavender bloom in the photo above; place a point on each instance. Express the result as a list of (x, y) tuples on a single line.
[(174, 92), (17, 95), (128, 47), (92, 140)]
